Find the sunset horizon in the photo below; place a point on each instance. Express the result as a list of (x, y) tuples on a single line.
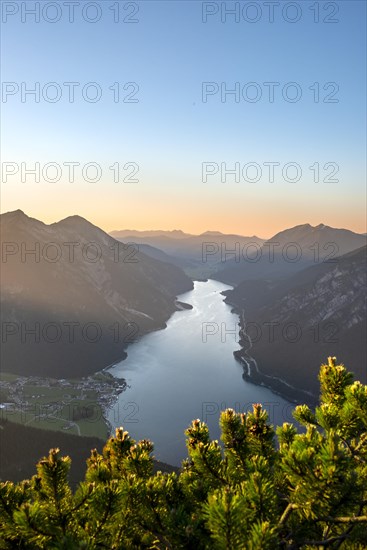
[(48, 220)]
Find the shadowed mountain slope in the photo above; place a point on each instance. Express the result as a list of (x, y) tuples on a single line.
[(292, 325), (73, 297)]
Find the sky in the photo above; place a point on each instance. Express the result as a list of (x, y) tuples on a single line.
[(162, 70)]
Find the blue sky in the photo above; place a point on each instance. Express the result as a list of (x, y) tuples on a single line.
[(170, 132)]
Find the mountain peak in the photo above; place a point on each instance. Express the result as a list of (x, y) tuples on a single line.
[(15, 214), (75, 218), (19, 217), (77, 222), (208, 233), (18, 212)]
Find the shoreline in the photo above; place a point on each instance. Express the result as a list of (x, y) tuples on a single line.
[(121, 385), (276, 385), (106, 408), (254, 375), (251, 372)]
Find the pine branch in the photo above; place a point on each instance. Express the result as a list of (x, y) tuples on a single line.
[(211, 470), (354, 519), (287, 512)]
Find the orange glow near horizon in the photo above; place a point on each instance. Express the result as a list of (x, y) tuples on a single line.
[(153, 205), (191, 206), (264, 221)]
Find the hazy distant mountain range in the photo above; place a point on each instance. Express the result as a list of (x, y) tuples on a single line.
[(235, 258), (84, 295), (199, 255), (174, 234)]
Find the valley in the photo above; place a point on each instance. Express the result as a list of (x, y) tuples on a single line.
[(244, 319)]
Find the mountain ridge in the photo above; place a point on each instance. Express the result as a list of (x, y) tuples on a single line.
[(289, 252), (324, 306), (73, 274)]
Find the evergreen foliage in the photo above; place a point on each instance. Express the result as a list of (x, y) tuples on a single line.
[(254, 492)]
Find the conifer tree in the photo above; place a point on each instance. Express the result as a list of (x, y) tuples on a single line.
[(300, 489)]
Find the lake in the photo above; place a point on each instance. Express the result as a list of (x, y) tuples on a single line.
[(188, 371)]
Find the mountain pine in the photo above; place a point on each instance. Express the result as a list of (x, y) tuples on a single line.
[(257, 490)]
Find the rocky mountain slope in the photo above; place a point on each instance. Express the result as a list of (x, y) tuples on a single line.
[(73, 297), (291, 327)]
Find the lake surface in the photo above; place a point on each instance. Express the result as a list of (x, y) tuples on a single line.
[(188, 371)]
